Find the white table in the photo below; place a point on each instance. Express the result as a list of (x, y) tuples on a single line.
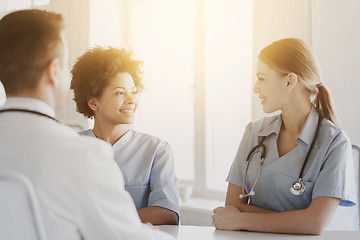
[(210, 233)]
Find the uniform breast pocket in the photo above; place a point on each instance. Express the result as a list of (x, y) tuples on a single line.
[(139, 194), (272, 191), (289, 200)]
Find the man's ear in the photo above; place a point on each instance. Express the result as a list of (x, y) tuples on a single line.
[(292, 81), (53, 72), (92, 103)]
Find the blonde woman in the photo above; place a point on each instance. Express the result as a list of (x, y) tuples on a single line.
[(293, 169)]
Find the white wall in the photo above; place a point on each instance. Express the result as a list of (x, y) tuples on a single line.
[(336, 38)]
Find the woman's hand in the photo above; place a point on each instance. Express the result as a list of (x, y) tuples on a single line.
[(227, 218)]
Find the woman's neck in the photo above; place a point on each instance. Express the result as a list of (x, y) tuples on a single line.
[(294, 117), (109, 132)]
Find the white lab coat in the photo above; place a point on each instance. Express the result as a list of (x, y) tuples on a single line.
[(79, 186)]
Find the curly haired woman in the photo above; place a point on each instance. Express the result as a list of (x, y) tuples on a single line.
[(106, 84)]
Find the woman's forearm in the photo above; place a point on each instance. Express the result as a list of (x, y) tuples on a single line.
[(252, 209), (294, 222), (311, 220), (158, 216)]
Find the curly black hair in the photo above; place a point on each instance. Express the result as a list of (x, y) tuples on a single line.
[(93, 70)]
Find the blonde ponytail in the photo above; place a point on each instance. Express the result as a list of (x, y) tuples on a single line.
[(323, 105)]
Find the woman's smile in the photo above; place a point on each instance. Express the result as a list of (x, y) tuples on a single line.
[(127, 110)]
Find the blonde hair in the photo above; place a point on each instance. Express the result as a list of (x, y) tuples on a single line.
[(292, 55)]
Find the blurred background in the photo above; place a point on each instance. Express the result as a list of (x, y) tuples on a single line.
[(199, 59)]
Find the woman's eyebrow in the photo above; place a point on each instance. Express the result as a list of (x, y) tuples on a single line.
[(117, 87)]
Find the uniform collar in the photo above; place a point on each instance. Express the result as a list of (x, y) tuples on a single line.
[(29, 104), (307, 133), (273, 127), (124, 139)]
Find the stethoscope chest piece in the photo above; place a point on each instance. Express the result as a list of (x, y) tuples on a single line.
[(297, 187), (251, 193)]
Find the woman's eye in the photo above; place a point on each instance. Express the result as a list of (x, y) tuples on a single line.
[(260, 79), (119, 93), (135, 93)]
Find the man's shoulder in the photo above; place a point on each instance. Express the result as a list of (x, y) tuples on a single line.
[(69, 141), (88, 143), (87, 132)]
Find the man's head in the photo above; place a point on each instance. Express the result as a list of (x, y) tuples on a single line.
[(32, 49)]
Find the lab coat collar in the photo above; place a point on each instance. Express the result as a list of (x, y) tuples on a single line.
[(29, 104)]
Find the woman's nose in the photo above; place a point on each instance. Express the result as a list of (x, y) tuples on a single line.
[(256, 87), (130, 98)]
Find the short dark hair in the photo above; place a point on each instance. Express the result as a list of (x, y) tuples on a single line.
[(29, 40), (93, 70)]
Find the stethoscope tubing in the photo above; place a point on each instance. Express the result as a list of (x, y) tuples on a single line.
[(27, 111), (263, 154)]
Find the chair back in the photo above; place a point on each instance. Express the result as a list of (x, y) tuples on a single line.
[(20, 216), (356, 156)]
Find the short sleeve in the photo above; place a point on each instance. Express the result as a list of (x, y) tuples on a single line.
[(336, 178), (236, 172), (163, 182)]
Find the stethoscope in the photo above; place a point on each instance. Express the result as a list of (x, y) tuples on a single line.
[(297, 187), (27, 111)]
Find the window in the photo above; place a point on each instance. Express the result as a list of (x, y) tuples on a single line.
[(228, 67), (162, 32), (198, 66)]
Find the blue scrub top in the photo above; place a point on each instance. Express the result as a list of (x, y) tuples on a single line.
[(328, 172), (147, 164)]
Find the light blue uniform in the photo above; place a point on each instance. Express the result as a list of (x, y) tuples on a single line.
[(328, 172), (147, 164)]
